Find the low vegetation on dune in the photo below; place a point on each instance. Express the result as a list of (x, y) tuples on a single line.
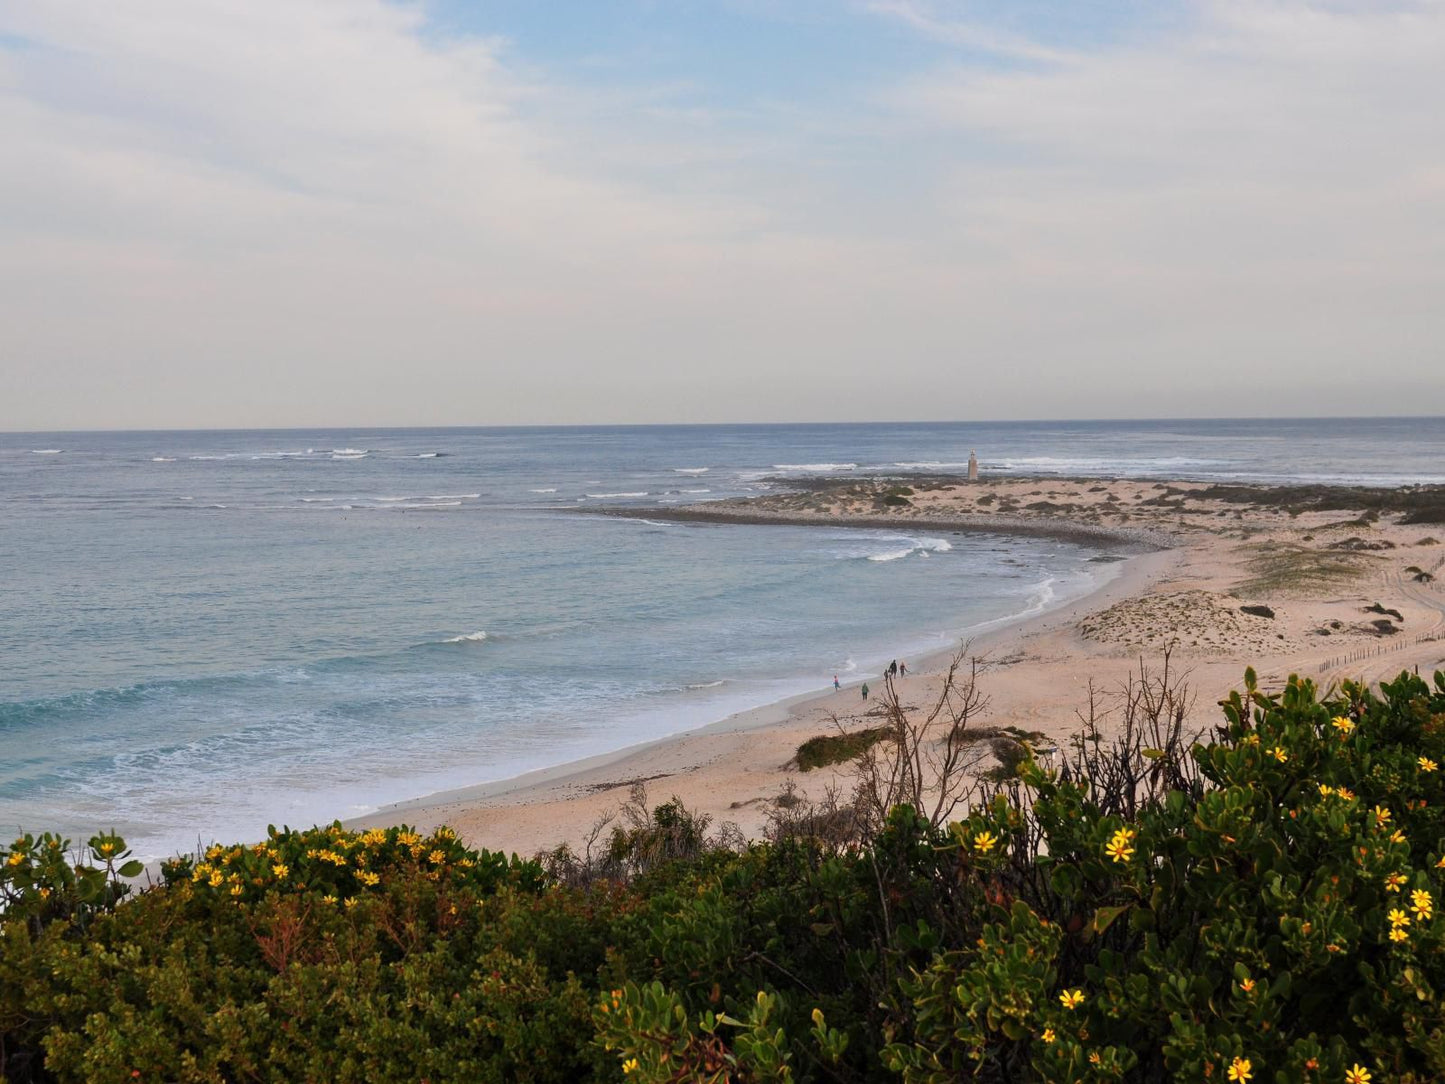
[(1259, 901), (1286, 568)]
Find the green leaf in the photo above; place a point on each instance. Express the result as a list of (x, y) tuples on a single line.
[(131, 868), (1104, 917)]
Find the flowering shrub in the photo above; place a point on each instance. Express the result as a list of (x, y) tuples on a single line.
[(1280, 922), (1262, 904)]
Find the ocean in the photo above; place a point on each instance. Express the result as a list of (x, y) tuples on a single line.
[(206, 632)]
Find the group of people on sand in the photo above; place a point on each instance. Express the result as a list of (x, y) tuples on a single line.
[(894, 669)]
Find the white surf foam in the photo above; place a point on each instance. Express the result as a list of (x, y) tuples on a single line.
[(708, 684), (816, 466), (163, 459), (897, 549), (691, 470), (602, 495), (552, 490), (469, 638), (46, 451)]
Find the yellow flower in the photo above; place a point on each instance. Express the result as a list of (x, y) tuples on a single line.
[(350, 901), (1397, 935), (1048, 1035), (15, 859), (1240, 1069), (236, 890), (217, 878), (1426, 764), (1071, 999), (280, 869), (1358, 1074), (983, 842), (436, 858), (1346, 793), (1343, 725), (1247, 985), (1440, 862), (1093, 1057), (1326, 790), (1421, 903), (1382, 816), (1397, 836), (366, 877), (1118, 848), (1279, 754), (1398, 917), (630, 1065), (328, 899), (1393, 881)]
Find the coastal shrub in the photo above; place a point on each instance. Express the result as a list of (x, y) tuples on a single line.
[(839, 748), (1256, 902)]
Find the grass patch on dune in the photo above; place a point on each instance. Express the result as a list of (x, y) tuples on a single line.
[(1283, 567), (828, 749)]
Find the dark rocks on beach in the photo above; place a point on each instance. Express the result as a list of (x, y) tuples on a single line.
[(1257, 611)]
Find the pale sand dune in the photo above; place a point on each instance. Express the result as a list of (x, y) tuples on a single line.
[(1188, 597)]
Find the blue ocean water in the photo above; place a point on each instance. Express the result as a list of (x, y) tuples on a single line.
[(206, 632)]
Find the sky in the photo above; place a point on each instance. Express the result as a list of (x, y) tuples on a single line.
[(271, 213)]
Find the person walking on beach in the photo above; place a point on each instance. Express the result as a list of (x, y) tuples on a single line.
[(903, 669), (836, 686), (893, 668), (865, 690)]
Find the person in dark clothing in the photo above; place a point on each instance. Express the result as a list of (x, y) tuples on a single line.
[(865, 690)]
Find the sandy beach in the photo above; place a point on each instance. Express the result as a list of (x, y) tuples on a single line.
[(1342, 585)]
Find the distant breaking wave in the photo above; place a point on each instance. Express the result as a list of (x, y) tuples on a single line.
[(690, 470), (46, 451), (470, 638), (816, 466), (600, 495), (897, 548)]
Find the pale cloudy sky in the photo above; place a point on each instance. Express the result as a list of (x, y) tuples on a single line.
[(358, 212)]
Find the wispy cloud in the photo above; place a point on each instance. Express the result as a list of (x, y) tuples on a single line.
[(970, 34)]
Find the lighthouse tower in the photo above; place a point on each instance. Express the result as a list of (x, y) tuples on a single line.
[(973, 466)]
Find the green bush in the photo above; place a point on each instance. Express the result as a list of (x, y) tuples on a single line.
[(828, 749), (1262, 904)]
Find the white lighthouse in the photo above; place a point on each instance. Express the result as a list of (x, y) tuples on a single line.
[(973, 466)]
